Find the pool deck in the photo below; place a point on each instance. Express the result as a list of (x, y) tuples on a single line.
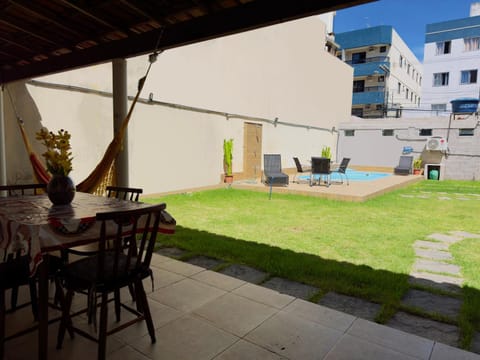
[(357, 191)]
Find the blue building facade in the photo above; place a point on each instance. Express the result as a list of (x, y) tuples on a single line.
[(376, 55)]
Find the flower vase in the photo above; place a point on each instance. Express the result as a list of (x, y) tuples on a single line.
[(61, 190)]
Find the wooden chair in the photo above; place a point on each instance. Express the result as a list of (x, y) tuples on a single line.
[(112, 269), (124, 193), (23, 190), (13, 273)]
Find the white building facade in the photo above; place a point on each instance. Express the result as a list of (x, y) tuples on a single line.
[(451, 62), (387, 75)]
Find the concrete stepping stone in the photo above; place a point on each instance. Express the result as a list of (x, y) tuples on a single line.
[(433, 303), (433, 254), (172, 252), (430, 245), (245, 273), (351, 305), (465, 234), (449, 239), (430, 329), (436, 281), (475, 345), (292, 288), (436, 267), (444, 198), (205, 261)]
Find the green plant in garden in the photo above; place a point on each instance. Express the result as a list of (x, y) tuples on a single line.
[(326, 152), (227, 156)]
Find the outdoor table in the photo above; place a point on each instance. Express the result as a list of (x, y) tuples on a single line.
[(34, 226)]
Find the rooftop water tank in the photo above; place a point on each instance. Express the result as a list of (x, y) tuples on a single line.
[(464, 105)]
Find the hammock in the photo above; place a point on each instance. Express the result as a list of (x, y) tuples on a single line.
[(102, 175)]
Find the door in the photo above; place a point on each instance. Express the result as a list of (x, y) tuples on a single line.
[(252, 151)]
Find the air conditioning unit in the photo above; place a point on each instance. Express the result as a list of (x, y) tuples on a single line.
[(437, 143)]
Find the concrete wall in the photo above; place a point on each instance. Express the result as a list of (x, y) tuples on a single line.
[(275, 72), (368, 147)]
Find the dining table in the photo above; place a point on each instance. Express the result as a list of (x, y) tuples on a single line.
[(32, 225)]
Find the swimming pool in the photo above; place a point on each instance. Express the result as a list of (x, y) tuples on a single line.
[(353, 175)]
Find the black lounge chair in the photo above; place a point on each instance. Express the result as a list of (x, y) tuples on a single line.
[(301, 168), (320, 167), (272, 171), (342, 169), (404, 165)]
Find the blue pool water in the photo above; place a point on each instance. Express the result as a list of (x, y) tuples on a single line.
[(354, 175)]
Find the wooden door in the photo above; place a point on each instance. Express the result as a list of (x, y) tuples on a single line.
[(252, 153)]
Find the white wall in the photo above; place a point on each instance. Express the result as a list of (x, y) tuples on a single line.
[(279, 72)]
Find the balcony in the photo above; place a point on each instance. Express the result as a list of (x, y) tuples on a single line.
[(368, 97)]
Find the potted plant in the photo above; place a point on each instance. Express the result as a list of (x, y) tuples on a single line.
[(227, 160), (326, 152), (417, 166)]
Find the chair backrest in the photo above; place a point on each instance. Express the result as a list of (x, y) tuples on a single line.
[(124, 193), (320, 165), (142, 225), (298, 164), (272, 163), (405, 162), (23, 189), (343, 165)]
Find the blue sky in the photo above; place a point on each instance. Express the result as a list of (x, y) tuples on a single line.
[(408, 17)]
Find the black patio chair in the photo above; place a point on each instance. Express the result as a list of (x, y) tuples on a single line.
[(110, 270), (124, 193), (272, 171), (404, 165), (301, 168), (342, 169), (320, 168)]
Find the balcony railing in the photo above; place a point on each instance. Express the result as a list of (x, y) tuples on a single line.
[(369, 60), (370, 89)]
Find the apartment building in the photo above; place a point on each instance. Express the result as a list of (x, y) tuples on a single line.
[(387, 75), (451, 62)]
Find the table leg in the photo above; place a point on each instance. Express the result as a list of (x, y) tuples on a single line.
[(43, 309)]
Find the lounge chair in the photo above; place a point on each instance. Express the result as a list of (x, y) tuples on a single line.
[(404, 165), (342, 169), (301, 168), (320, 167), (272, 171)]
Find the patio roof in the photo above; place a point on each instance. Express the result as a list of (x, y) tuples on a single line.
[(41, 37)]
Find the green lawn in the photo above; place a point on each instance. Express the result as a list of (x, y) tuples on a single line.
[(361, 249)]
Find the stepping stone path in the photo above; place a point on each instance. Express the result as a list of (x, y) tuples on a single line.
[(434, 268)]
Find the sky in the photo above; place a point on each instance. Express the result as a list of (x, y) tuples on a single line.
[(408, 17)]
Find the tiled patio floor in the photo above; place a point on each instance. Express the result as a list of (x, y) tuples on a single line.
[(200, 314)]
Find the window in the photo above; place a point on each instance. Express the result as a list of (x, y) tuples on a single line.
[(425, 132), (472, 44), (381, 78), (439, 107), (399, 88), (383, 49), (406, 94), (468, 77), (379, 107), (357, 112), (387, 132), (408, 69), (359, 58), (465, 132), (443, 47), (440, 79), (349, 132), (358, 86), (401, 61)]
